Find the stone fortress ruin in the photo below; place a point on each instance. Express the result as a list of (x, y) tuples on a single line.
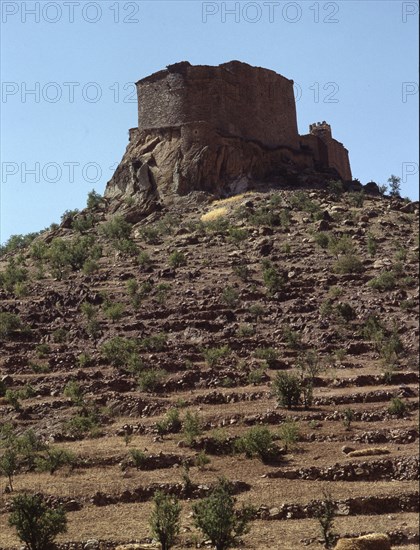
[(217, 128)]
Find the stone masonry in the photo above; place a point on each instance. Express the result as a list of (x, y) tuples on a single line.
[(219, 130)]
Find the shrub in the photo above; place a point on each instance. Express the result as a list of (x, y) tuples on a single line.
[(287, 389), (117, 229), (356, 198), (156, 342), (257, 311), (12, 276), (397, 407), (8, 465), (394, 186), (384, 281), (73, 391), (150, 380), (9, 324), (118, 350), (256, 376), (217, 518), (273, 280), (212, 356), (237, 234), (202, 460), (36, 524), (114, 311), (94, 199), (12, 397), (83, 223), (171, 423), (17, 242), (230, 296), (164, 521), (258, 441), (127, 247), (242, 271), (292, 337), (269, 355), (177, 259), (349, 263), (83, 424), (342, 245), (144, 260), (138, 458), (55, 459), (191, 427), (245, 330), (325, 515), (289, 434), (372, 245), (348, 416), (322, 239), (345, 311)]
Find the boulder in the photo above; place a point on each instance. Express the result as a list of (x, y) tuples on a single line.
[(374, 541)]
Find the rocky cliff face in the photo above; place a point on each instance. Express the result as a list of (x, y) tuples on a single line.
[(160, 164)]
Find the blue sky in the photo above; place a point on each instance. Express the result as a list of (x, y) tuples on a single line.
[(354, 63)]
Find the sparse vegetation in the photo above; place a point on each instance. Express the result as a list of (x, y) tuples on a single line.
[(218, 520)]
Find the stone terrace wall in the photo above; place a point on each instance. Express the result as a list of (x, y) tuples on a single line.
[(236, 99)]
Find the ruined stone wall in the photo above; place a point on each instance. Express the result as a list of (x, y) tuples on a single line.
[(338, 156), (236, 99)]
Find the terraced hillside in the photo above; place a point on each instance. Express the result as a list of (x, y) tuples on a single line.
[(155, 356)]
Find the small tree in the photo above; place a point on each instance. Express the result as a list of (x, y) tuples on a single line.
[(325, 515), (8, 465), (287, 388), (164, 521), (394, 186), (36, 524), (216, 517)]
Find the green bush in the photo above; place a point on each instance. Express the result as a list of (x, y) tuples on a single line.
[(397, 407), (114, 311), (218, 520), (73, 391), (322, 239), (257, 441), (18, 242), (12, 276), (138, 458), (287, 389), (191, 427), (55, 459), (9, 324), (37, 525), (230, 296), (94, 199), (150, 380), (171, 423), (117, 350), (273, 280), (156, 342), (164, 521), (116, 229), (212, 356), (372, 245), (384, 281), (8, 465), (177, 259), (269, 355), (349, 263), (289, 434)]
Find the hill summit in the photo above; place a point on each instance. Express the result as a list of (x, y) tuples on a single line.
[(221, 130)]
